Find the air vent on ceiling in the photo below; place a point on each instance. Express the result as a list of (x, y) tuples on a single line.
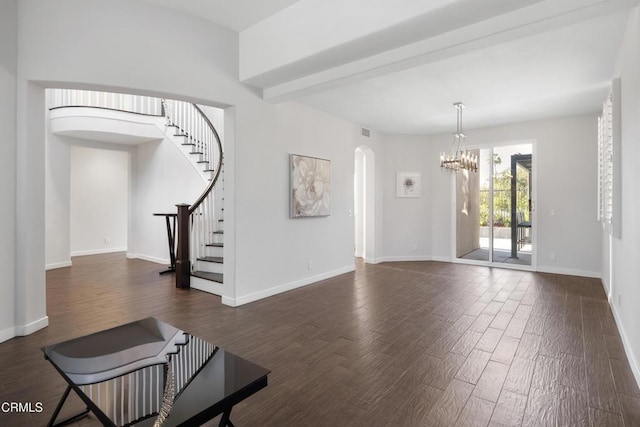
[(366, 132)]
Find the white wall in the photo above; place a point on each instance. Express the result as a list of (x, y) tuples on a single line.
[(159, 177), (58, 226), (273, 251), (626, 250), (407, 231), (57, 201), (8, 76), (163, 179), (566, 187), (99, 194)]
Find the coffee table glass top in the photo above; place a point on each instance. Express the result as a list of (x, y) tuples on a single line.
[(122, 374)]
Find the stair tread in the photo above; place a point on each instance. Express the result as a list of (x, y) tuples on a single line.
[(219, 232), (214, 277), (180, 134), (216, 259), (202, 161), (188, 143), (215, 245), (196, 152)]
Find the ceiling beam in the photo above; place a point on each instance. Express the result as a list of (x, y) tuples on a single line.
[(452, 30)]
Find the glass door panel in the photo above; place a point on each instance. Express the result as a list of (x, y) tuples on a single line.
[(511, 189)]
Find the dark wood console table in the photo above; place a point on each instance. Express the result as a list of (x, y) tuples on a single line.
[(150, 373)]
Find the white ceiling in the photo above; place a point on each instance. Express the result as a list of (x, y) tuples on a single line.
[(555, 73), (507, 60), (236, 15)]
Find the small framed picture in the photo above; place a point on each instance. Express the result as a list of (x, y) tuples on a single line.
[(409, 184)]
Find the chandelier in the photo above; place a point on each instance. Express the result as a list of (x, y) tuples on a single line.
[(459, 158)]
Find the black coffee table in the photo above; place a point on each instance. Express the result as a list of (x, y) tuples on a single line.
[(149, 372)]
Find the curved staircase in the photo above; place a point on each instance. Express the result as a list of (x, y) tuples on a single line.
[(204, 258), (200, 242)]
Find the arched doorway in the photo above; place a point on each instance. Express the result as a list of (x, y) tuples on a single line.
[(364, 203)]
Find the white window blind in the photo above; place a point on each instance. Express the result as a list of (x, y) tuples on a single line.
[(609, 129)]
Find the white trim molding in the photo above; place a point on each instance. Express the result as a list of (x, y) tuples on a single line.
[(569, 272), (55, 265), (7, 334), (23, 330), (406, 258), (32, 327), (634, 363), (98, 251), (246, 299), (148, 258)]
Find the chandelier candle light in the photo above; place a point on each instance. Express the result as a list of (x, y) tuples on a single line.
[(459, 158)]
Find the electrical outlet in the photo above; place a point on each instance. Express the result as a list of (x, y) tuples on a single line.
[(107, 241), (415, 247), (552, 256), (619, 300), (310, 265)]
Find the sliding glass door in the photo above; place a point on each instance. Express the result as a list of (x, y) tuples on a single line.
[(494, 207)]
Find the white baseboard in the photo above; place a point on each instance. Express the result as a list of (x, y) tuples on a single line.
[(542, 269), (605, 285), (406, 258), (231, 302), (569, 272), (634, 363), (148, 258), (55, 265), (97, 251), (7, 334), (246, 299), (402, 258), (32, 327), (372, 260)]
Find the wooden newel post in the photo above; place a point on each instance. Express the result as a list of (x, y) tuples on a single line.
[(183, 264)]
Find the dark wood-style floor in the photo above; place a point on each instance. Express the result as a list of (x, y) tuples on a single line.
[(398, 344)]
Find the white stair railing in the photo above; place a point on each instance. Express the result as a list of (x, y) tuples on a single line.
[(138, 104)]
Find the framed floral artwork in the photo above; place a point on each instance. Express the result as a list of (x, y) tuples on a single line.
[(310, 186), (409, 184)]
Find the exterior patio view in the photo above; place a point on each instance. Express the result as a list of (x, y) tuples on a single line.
[(494, 207)]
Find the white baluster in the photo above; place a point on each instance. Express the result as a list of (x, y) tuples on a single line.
[(115, 399)]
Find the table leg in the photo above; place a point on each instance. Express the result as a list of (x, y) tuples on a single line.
[(171, 237), (59, 407), (225, 421)]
